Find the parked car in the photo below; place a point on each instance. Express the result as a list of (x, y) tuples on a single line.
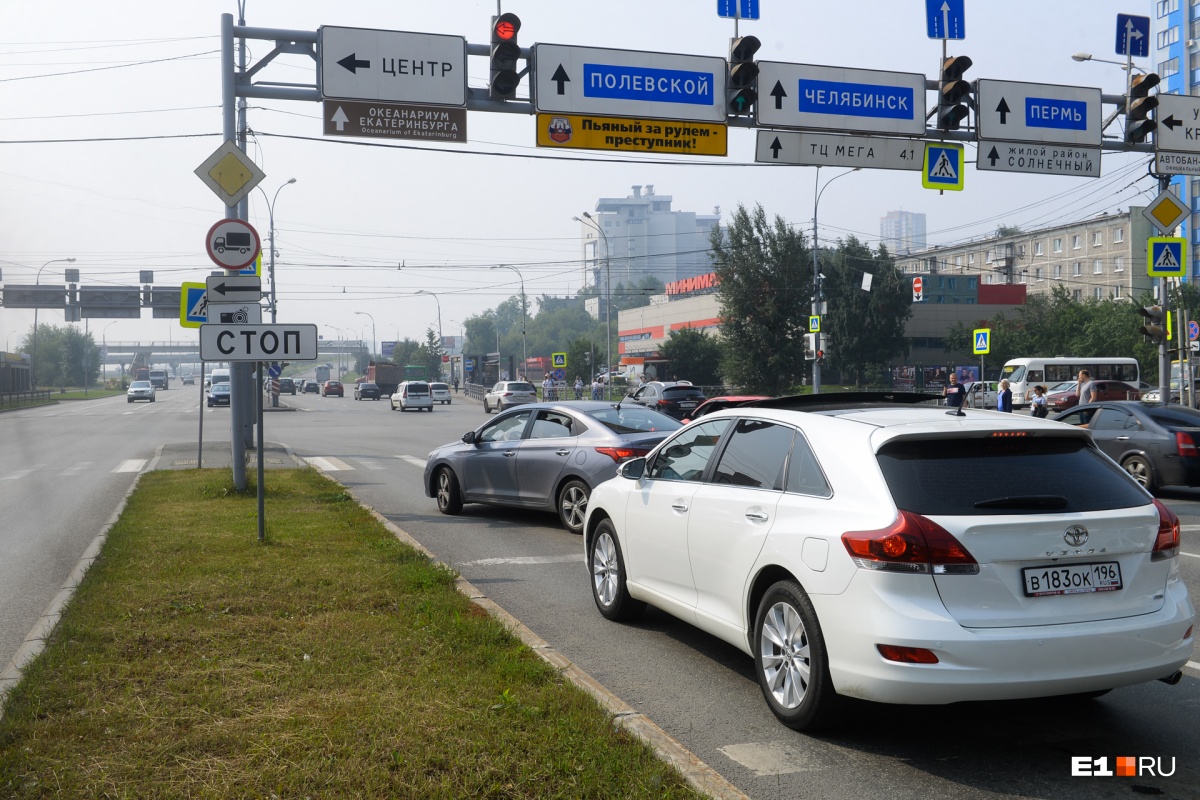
[(188, 380), (140, 390), (440, 393), (547, 456), (506, 394), (1102, 389), (720, 404), (1156, 444), (331, 388), (673, 398), (892, 553), (412, 394), (312, 387), (287, 386), (218, 395), (366, 391)]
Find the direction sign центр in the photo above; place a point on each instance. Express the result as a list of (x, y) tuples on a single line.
[(840, 99), (1034, 112), (628, 83), (392, 66), (833, 150)]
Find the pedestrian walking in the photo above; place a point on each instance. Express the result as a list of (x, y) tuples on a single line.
[(1084, 387), (1037, 403), (578, 388), (1004, 398), (596, 386)]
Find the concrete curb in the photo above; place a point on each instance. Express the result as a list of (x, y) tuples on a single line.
[(699, 775)]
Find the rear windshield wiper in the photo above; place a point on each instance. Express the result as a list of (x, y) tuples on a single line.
[(1025, 501)]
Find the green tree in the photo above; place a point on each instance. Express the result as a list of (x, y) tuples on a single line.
[(479, 331), (65, 356), (693, 355), (765, 279), (431, 353), (865, 328)]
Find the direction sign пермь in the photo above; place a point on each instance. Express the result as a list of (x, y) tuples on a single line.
[(840, 99), (628, 83), (1038, 112), (1038, 159), (832, 150), (392, 66), (291, 342)]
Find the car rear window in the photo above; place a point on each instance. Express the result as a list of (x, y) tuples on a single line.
[(634, 419), (418, 388), (1020, 475), (677, 392), (1175, 416), (520, 387), (441, 387)]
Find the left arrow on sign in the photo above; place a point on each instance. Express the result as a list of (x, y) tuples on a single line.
[(1171, 122), (353, 63)]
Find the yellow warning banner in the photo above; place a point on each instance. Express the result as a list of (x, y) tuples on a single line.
[(586, 132)]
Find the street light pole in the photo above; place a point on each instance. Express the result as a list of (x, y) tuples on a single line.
[(524, 352), (271, 239), (373, 342), (607, 304), (816, 307), (104, 355), (37, 282), (439, 308)]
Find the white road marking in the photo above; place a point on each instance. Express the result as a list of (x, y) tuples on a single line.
[(490, 562), (1193, 665), (132, 465), (21, 473), (1189, 527), (772, 758), (1189, 555), (330, 464), (75, 470), (416, 462), (371, 463)]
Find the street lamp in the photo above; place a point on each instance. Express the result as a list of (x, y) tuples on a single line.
[(1121, 64), (37, 282), (607, 303), (816, 269), (104, 346), (439, 307), (368, 314), (524, 352), (271, 238)]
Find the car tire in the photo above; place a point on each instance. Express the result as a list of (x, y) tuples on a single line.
[(151, 399), (486, 410), (790, 658), (608, 576), (1139, 469), (572, 504), (449, 498), (129, 399)]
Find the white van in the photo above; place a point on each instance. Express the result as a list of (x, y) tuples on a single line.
[(218, 375), (412, 394)]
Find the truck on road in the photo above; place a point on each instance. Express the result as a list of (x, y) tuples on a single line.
[(386, 375), (322, 373), (159, 379)]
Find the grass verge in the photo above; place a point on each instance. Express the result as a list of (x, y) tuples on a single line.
[(331, 661)]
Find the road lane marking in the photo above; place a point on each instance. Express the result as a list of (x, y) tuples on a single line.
[(132, 465), (371, 463), (330, 464), (1189, 527), (21, 473), (1193, 665), (772, 758), (1190, 555), (75, 470), (416, 462), (491, 562)]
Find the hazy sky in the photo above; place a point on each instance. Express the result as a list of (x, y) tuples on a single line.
[(109, 107)]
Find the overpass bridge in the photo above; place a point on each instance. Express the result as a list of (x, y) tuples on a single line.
[(186, 353)]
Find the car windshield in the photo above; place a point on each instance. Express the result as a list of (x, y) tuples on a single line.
[(220, 387), (961, 477), (634, 419), (140, 385), (520, 387)]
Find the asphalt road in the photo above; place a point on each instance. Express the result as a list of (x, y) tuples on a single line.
[(700, 690)]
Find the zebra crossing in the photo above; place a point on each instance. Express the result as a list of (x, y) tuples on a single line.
[(76, 469), (332, 464)]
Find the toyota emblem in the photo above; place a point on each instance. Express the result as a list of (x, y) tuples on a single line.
[(1076, 535)]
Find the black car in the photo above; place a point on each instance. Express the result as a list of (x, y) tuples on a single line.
[(675, 399), (1157, 444), (287, 386), (366, 391), (311, 387)]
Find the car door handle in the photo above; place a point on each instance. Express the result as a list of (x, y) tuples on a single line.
[(757, 516), (679, 506), (1122, 438), (562, 452), (510, 453)]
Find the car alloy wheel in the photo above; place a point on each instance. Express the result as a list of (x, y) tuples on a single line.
[(1139, 469), (790, 658), (572, 505), (608, 576), (449, 498)]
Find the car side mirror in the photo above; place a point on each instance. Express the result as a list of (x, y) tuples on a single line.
[(469, 437), (633, 469)]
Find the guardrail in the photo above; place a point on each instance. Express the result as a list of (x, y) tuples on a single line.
[(9, 400)]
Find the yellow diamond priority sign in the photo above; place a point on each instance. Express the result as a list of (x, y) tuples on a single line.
[(1165, 212), (230, 174)]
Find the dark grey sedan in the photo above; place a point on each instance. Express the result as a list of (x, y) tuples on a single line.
[(543, 455)]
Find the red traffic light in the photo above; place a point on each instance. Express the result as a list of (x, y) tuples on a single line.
[(505, 27)]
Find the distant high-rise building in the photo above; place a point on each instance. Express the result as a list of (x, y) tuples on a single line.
[(902, 232)]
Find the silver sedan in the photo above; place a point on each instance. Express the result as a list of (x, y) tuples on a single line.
[(544, 456)]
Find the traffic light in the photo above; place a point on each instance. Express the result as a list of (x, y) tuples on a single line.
[(954, 96), (1138, 106), (1155, 328), (743, 74), (504, 57), (810, 347)]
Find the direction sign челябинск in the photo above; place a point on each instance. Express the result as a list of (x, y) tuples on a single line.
[(840, 99)]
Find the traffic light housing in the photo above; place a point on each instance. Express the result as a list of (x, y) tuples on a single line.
[(743, 75), (505, 55), (954, 94), (810, 347), (1139, 104), (1155, 327)]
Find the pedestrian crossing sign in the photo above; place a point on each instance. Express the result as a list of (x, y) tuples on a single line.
[(558, 359), (814, 324), (943, 166), (983, 341), (193, 304), (1166, 257)]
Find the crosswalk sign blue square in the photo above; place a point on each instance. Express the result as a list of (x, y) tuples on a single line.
[(983, 341), (1166, 257), (943, 168)]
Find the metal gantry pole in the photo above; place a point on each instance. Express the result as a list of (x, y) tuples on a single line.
[(229, 133)]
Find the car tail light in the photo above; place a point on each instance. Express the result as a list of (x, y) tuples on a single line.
[(663, 402), (906, 655), (1166, 543), (619, 454), (1185, 445), (912, 543), (506, 394)]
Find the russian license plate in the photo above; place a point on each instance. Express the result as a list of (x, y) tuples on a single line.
[(1072, 579), (687, 405)]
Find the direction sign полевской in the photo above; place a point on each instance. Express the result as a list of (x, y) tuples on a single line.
[(392, 66), (628, 83), (840, 99), (1035, 112), (832, 150), (291, 342)]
